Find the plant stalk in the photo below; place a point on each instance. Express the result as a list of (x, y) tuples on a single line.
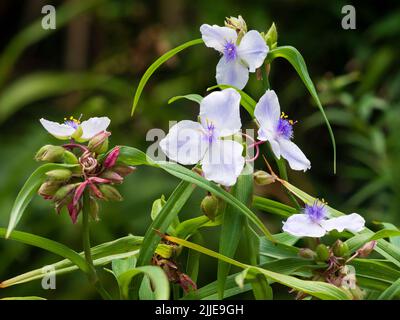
[(92, 274)]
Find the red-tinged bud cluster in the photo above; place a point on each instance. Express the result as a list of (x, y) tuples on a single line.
[(87, 169)]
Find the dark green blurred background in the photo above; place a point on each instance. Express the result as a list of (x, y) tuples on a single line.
[(92, 63)]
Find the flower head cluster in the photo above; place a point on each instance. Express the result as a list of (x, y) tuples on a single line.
[(315, 222), (242, 51), (91, 167)]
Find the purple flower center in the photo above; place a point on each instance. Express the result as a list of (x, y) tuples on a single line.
[(316, 212), (210, 132), (285, 129), (230, 51), (72, 123)]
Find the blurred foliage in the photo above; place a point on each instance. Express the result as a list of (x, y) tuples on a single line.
[(92, 62)]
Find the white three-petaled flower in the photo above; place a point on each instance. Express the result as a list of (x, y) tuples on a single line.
[(314, 222), (190, 142), (278, 131), (238, 59), (73, 128)]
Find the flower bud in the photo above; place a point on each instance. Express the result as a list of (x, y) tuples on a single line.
[(366, 249), (111, 158), (271, 37), (64, 191), (340, 249), (123, 171), (50, 153), (59, 174), (307, 253), (70, 158), (322, 252), (263, 178), (165, 250), (112, 176), (94, 209), (110, 193), (238, 24), (209, 206), (48, 189), (99, 143)]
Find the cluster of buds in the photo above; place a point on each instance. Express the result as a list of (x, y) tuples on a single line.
[(339, 272), (238, 24), (92, 170)]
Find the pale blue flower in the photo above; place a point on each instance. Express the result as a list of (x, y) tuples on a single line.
[(314, 222), (238, 58), (190, 142), (278, 131)]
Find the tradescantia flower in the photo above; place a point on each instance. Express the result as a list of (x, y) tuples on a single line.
[(239, 58), (190, 142), (278, 131), (314, 222), (73, 128)]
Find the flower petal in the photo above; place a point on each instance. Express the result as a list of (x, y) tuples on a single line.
[(222, 109), (223, 162), (58, 130), (268, 110), (93, 126), (253, 50), (292, 153), (216, 37), (300, 225), (185, 142), (352, 222), (232, 72)]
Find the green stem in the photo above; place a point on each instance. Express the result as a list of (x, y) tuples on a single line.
[(92, 274)]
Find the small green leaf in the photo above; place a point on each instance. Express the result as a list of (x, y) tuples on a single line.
[(124, 271), (192, 97), (156, 64)]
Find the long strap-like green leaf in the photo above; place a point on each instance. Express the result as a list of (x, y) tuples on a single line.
[(155, 65)]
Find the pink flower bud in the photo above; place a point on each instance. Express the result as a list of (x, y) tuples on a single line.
[(366, 249), (73, 212), (111, 158), (79, 192), (112, 176), (186, 283), (98, 180), (96, 191)]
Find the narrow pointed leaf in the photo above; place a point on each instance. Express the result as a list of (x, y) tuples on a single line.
[(192, 97), (28, 191), (156, 64)]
